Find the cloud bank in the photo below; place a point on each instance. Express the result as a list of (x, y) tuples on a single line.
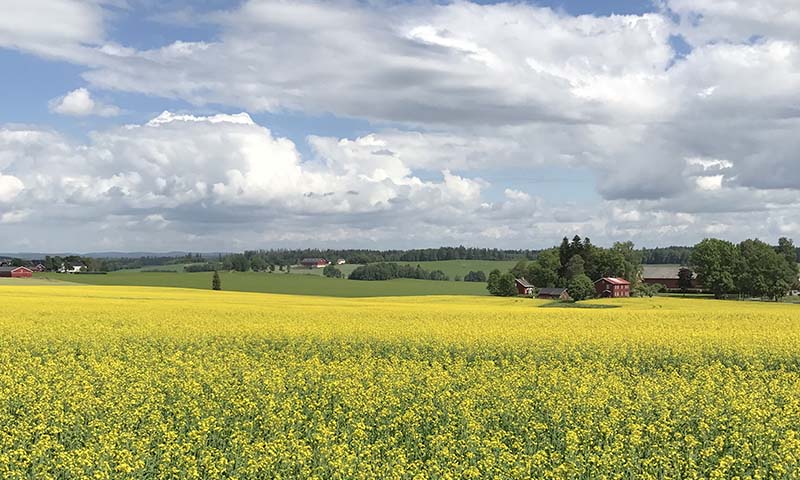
[(682, 141)]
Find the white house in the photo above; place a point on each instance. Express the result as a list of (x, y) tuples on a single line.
[(71, 269)]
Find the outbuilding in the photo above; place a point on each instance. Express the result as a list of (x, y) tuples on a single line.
[(668, 276), (16, 272), (71, 268), (523, 286), (612, 287), (553, 294)]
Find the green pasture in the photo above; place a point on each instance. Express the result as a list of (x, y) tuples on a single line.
[(452, 268), (276, 283)]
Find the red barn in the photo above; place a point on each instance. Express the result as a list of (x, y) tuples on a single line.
[(523, 287), (612, 287), (16, 272), (668, 276), (314, 262)]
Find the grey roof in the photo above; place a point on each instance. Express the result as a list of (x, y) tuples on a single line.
[(10, 269), (660, 271), (556, 292), (524, 282)]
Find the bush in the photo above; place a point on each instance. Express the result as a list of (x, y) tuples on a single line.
[(581, 287), (375, 271), (645, 290), (201, 267), (502, 284), (388, 271), (506, 285), (492, 283), (331, 271), (478, 276), (438, 275)]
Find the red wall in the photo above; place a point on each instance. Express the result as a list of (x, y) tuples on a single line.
[(616, 290), (671, 283), (21, 273)]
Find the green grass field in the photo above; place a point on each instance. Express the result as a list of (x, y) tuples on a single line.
[(451, 268), (345, 269), (299, 282), (177, 267), (33, 281), (276, 283)]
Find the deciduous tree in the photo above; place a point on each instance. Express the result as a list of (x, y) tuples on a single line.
[(714, 262), (581, 287)]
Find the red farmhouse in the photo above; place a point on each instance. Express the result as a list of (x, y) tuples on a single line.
[(612, 287), (314, 262), (16, 272)]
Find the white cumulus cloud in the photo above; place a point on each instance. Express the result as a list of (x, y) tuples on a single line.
[(455, 92), (79, 103)]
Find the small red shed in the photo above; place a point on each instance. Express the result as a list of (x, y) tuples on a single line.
[(16, 272), (553, 294), (523, 286), (612, 287)]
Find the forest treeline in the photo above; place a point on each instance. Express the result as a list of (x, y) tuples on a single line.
[(276, 259)]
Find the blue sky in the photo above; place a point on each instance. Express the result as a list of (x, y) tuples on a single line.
[(395, 124), (33, 81)]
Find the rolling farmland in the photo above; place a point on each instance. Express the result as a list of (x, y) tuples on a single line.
[(451, 268), (277, 283)]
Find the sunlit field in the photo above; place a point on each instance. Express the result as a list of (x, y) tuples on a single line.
[(275, 283), (135, 382)]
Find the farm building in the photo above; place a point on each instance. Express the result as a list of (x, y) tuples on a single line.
[(16, 272), (666, 275), (523, 287), (39, 268), (612, 287), (71, 268), (314, 262), (341, 261), (553, 294)]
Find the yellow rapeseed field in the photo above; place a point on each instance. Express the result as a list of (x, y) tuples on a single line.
[(126, 382)]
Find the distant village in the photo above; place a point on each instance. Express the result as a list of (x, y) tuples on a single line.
[(17, 268)]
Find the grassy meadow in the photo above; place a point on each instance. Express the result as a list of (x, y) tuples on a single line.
[(275, 283), (451, 268), (298, 282), (134, 382)]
